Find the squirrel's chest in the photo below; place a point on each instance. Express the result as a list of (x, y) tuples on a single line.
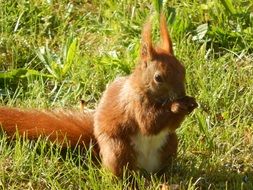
[(148, 150)]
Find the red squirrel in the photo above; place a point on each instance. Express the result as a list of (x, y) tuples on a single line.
[(134, 123)]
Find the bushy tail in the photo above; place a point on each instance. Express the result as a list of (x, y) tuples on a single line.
[(73, 127)]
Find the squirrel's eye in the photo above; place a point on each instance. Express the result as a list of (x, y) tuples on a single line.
[(158, 78)]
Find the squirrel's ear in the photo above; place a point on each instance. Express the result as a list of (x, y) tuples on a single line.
[(166, 41), (147, 50)]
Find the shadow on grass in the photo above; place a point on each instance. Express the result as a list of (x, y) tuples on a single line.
[(203, 174)]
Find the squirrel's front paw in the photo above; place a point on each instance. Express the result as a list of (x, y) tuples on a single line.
[(184, 105)]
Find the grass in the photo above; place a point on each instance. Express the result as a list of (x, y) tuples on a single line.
[(54, 53)]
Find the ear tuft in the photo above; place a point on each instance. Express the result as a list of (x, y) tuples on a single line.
[(166, 40), (147, 50)]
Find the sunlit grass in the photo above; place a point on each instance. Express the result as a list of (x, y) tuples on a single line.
[(40, 69)]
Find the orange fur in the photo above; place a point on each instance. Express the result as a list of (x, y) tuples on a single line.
[(72, 127), (137, 116), (135, 121)]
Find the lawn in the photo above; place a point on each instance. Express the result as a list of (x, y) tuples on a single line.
[(54, 53)]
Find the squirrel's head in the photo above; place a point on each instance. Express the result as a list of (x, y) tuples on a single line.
[(159, 73)]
